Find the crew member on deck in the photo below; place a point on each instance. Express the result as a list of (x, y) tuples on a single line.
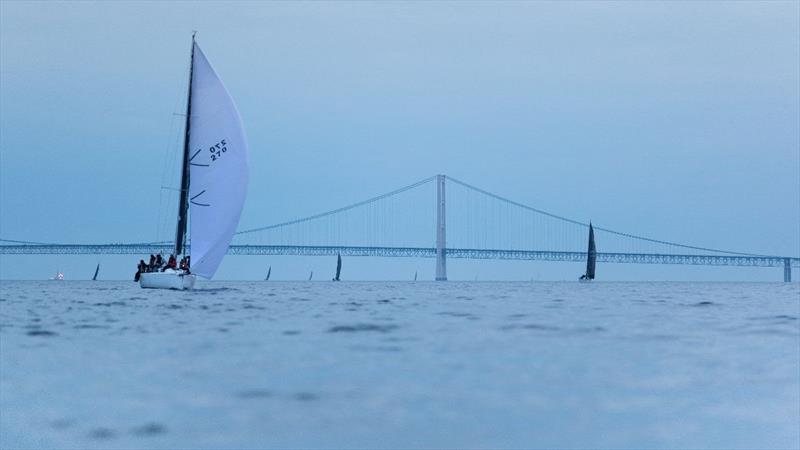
[(141, 268), (170, 264)]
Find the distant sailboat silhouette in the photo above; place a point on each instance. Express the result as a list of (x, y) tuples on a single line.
[(338, 267), (96, 271), (311, 275), (591, 257), (415, 275), (269, 272)]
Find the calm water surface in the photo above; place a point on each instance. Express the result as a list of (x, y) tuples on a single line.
[(321, 364)]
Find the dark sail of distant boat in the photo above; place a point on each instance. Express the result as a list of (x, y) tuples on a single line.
[(96, 271), (269, 272), (311, 275), (415, 275), (591, 256), (338, 267)]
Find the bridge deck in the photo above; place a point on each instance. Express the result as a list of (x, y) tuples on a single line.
[(417, 252)]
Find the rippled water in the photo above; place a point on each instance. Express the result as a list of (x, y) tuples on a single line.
[(321, 364)]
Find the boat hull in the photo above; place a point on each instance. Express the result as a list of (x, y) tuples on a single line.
[(167, 280)]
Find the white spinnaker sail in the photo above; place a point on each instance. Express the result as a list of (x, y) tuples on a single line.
[(218, 168)]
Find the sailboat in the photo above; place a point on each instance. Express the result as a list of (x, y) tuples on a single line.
[(58, 276), (338, 267), (415, 275), (96, 271), (269, 272), (591, 257), (311, 275), (213, 178)]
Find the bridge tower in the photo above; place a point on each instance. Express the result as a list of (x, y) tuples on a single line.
[(787, 270), (441, 231)]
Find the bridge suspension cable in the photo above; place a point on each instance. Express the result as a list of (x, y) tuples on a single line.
[(339, 210), (576, 222), (12, 241), (379, 226)]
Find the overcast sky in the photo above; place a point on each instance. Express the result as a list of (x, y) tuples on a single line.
[(677, 120)]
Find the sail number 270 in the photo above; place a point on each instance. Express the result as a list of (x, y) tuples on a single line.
[(218, 149)]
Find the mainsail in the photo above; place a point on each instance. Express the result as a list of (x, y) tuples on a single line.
[(218, 167), (591, 255), (338, 267), (269, 272), (96, 271)]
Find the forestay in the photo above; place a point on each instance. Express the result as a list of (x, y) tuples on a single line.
[(218, 167)]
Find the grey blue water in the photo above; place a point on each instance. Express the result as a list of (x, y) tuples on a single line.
[(400, 364)]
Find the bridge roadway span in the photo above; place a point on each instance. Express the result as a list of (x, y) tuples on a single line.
[(417, 252)]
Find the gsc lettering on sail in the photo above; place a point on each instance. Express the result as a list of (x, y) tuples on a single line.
[(218, 149)]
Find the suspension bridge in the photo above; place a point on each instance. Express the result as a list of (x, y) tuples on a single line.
[(458, 221)]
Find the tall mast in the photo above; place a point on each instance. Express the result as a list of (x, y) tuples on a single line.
[(183, 205)]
